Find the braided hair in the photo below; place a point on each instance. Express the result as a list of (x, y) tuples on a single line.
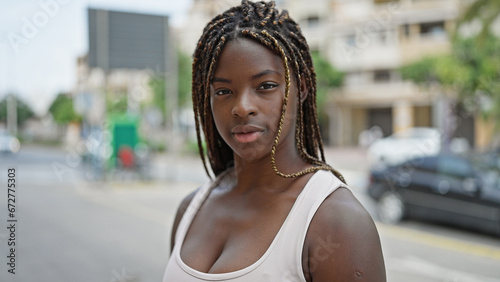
[(262, 22)]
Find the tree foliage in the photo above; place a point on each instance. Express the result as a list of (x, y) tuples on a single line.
[(157, 84), (484, 11), (62, 109), (24, 112), (472, 70), (327, 77), (184, 78), (422, 71), (117, 102)]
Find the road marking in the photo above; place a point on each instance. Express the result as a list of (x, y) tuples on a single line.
[(424, 269), (439, 241)]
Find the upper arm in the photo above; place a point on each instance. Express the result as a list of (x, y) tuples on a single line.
[(343, 243), (178, 216)]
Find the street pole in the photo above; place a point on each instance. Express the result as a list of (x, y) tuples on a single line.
[(103, 63), (171, 90), (12, 114)]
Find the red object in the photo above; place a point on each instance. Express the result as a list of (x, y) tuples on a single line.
[(126, 156)]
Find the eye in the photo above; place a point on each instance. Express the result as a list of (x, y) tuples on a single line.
[(222, 92), (267, 86)]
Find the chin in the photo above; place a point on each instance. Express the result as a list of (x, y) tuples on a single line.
[(251, 151)]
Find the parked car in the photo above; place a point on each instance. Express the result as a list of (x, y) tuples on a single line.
[(488, 160), (8, 143), (443, 188), (405, 145)]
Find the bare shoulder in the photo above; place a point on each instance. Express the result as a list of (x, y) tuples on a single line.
[(180, 213), (343, 243)]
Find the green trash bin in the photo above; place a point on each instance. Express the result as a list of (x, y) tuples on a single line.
[(123, 130)]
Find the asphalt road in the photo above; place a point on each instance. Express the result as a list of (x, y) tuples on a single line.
[(69, 229)]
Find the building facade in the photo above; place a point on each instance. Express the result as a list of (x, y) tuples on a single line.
[(370, 41)]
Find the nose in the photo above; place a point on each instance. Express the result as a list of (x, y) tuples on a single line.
[(244, 105)]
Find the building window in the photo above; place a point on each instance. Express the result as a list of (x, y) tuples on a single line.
[(354, 79), (312, 21), (350, 40), (432, 28), (382, 37), (381, 117), (381, 76), (406, 30)]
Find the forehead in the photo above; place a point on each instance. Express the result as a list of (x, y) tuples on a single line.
[(244, 54)]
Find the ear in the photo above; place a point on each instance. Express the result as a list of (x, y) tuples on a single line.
[(303, 91)]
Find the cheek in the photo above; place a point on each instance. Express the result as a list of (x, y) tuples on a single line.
[(291, 110), (216, 109), (220, 119)]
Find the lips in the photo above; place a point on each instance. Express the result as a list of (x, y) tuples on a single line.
[(246, 133)]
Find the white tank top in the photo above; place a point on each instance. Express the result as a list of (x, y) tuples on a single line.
[(283, 259)]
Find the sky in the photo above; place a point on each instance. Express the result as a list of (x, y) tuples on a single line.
[(40, 41)]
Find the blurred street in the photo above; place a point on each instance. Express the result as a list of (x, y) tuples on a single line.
[(70, 229)]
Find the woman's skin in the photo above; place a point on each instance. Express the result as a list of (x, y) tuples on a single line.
[(239, 220)]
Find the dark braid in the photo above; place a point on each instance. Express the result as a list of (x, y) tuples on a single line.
[(263, 23)]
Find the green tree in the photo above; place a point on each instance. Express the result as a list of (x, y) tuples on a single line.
[(327, 77), (157, 84), (422, 72), (472, 70), (485, 11), (185, 62), (62, 109), (116, 102), (24, 112)]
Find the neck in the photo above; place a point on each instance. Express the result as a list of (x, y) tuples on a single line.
[(258, 174)]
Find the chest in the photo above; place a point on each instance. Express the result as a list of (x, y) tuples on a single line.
[(231, 233)]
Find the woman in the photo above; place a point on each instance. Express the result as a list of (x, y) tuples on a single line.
[(275, 211)]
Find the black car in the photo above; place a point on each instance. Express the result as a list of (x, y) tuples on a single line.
[(444, 188)]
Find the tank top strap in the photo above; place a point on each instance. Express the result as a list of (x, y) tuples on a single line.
[(318, 188)]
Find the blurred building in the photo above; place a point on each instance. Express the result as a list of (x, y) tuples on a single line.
[(369, 40), (200, 13), (128, 52), (311, 15)]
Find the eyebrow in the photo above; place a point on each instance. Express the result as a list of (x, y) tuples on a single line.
[(255, 76), (265, 72), (224, 80)]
